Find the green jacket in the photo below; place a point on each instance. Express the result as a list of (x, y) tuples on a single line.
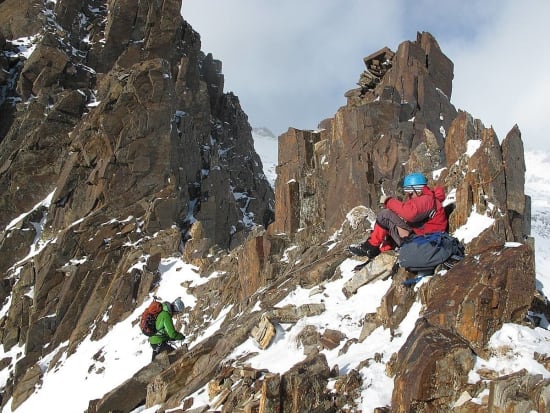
[(165, 328)]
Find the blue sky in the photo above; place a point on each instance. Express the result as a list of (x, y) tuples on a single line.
[(291, 62)]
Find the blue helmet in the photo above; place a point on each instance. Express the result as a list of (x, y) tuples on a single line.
[(414, 182), (174, 307)]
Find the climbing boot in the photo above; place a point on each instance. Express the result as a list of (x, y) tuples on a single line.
[(365, 249)]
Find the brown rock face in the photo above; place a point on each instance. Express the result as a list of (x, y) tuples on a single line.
[(130, 138), (431, 366), (19, 18), (482, 292), (484, 175), (517, 203), (463, 309)]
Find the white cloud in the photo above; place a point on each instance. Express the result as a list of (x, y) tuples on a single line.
[(502, 78), (291, 62)]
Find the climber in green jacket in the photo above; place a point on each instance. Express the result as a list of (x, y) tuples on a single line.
[(165, 328)]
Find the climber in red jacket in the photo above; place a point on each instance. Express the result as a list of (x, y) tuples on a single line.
[(421, 213)]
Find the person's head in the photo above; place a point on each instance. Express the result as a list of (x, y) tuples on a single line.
[(174, 307), (413, 183), (177, 305)]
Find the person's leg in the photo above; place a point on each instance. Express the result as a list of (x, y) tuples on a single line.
[(387, 223), (371, 247), (159, 348), (378, 235), (394, 225), (155, 348)]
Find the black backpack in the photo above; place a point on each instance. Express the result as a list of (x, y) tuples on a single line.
[(425, 252)]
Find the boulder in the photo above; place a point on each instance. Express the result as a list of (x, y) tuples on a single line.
[(481, 293), (133, 392), (380, 268), (20, 18), (303, 387), (264, 333), (430, 368), (43, 69)]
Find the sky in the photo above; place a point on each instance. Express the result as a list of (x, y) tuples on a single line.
[(290, 62), (124, 350)]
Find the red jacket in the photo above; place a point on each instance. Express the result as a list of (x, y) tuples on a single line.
[(423, 213)]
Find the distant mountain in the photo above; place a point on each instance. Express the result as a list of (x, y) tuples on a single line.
[(265, 144)]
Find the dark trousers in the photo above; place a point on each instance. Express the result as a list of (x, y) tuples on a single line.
[(396, 226), (159, 348)]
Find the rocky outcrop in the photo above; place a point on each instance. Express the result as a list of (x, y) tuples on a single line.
[(393, 125), (462, 310), (485, 179), (430, 370), (483, 292), (116, 140), (19, 19), (393, 129)]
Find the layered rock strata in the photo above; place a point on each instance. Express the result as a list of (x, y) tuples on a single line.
[(116, 138)]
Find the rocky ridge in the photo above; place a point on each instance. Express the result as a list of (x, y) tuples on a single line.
[(136, 154), (115, 116)]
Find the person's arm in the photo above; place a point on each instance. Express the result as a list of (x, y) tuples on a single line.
[(169, 327), (407, 210)]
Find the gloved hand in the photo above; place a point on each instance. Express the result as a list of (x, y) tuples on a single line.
[(383, 199)]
